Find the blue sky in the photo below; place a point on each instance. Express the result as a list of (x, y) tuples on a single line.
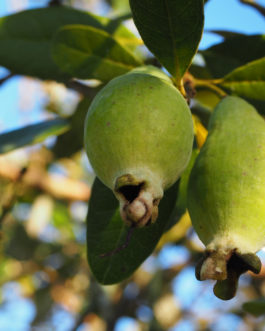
[(230, 15)]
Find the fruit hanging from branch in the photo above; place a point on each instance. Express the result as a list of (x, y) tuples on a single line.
[(226, 195), (138, 138)]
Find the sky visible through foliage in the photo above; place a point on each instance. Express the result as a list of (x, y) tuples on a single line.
[(17, 314), (219, 15)]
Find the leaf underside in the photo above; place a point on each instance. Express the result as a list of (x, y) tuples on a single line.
[(32, 134), (106, 232)]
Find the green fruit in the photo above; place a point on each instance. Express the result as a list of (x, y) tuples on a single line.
[(226, 194), (138, 138)]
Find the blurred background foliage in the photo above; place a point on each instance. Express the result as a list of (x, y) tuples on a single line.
[(45, 280)]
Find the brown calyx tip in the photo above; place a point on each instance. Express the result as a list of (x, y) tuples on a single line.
[(137, 204), (226, 268), (140, 212)]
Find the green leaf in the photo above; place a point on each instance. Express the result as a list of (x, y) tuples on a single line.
[(198, 71), (258, 104), (171, 30), (247, 81), (25, 38), (182, 194), (219, 65), (43, 304), (20, 246), (115, 28), (226, 33), (253, 4), (60, 220), (106, 232), (32, 134), (255, 307), (231, 53), (181, 202), (72, 140), (120, 6), (86, 52), (207, 99)]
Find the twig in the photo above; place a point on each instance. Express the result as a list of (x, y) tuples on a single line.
[(7, 77), (36, 176), (211, 85), (81, 88), (81, 318), (254, 5), (10, 195), (54, 3), (123, 17), (189, 86), (96, 303), (153, 61)]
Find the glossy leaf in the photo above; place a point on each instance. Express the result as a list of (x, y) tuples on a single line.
[(231, 53), (106, 232), (171, 30), (25, 38), (31, 134), (86, 52), (255, 307), (247, 81)]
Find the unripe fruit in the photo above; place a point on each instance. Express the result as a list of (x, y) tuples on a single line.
[(226, 195), (138, 138)]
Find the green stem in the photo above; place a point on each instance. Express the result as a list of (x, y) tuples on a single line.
[(211, 85)]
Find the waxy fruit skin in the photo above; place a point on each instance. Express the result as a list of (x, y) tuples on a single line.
[(139, 132), (226, 194)]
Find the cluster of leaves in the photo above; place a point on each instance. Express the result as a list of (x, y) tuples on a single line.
[(66, 45)]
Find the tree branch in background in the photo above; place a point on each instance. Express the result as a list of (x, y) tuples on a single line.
[(7, 77), (254, 5), (81, 318), (36, 176), (8, 199), (79, 87), (54, 3), (82, 88)]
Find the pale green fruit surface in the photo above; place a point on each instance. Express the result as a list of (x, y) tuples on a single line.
[(139, 125), (151, 70), (226, 195), (138, 122)]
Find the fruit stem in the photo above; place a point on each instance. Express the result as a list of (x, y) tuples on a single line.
[(211, 85)]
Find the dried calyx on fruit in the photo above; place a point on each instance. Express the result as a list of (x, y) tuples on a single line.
[(226, 195), (138, 138)]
